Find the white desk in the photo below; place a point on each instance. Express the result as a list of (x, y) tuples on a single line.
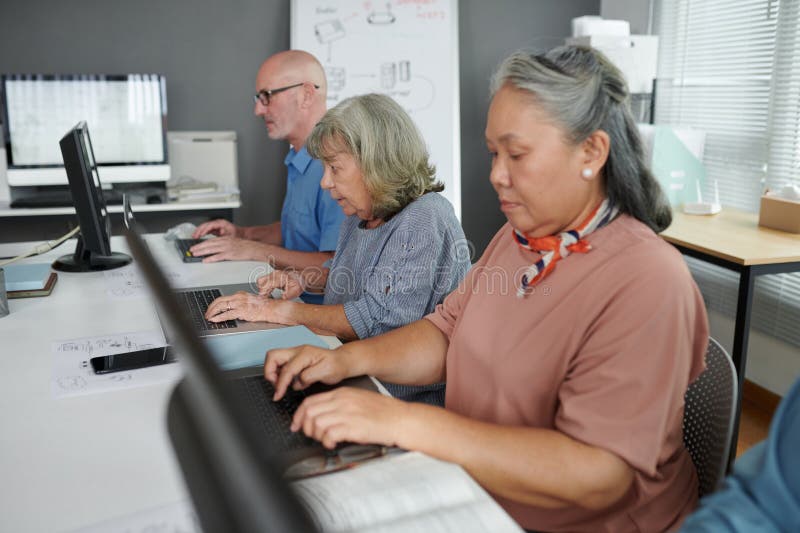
[(71, 462), (47, 223), (7, 211)]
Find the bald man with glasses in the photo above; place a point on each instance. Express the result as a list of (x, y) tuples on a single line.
[(290, 98)]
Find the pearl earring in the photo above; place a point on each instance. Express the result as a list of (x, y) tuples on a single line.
[(586, 173)]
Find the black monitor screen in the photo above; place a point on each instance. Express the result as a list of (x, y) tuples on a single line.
[(93, 251)]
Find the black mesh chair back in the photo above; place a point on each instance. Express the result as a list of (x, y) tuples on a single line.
[(708, 417)]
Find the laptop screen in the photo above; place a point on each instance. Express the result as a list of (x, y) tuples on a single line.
[(235, 483)]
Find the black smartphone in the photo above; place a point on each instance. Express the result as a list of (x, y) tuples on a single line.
[(132, 360)]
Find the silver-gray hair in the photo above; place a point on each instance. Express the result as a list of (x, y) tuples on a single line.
[(387, 146), (582, 92)]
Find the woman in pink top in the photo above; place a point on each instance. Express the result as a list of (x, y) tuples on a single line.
[(568, 347)]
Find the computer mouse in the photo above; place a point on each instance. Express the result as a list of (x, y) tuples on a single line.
[(154, 199)]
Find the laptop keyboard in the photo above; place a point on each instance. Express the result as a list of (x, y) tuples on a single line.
[(275, 417), (183, 246), (197, 302)]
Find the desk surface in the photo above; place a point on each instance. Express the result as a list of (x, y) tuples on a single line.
[(7, 211), (72, 462), (735, 236)]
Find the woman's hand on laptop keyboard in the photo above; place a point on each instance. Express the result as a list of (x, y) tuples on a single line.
[(245, 306), (302, 366), (289, 282), (347, 414)]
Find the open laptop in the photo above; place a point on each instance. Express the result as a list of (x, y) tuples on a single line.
[(195, 300), (244, 391), (233, 475)]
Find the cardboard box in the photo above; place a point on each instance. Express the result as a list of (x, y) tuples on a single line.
[(780, 214)]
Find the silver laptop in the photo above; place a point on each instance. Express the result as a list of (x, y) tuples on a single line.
[(197, 299)]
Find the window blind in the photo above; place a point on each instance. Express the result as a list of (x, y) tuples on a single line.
[(784, 115), (732, 69), (715, 60)]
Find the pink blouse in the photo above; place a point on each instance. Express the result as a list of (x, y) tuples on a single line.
[(601, 350)]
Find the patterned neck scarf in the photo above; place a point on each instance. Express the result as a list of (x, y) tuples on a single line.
[(556, 247)]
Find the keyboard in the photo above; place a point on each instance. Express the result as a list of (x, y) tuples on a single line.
[(197, 302), (183, 246), (275, 417)]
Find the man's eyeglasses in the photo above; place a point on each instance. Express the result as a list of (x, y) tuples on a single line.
[(264, 96)]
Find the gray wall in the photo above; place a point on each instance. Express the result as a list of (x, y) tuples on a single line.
[(209, 52), (489, 31)]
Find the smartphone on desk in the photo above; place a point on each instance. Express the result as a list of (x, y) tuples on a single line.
[(132, 360)]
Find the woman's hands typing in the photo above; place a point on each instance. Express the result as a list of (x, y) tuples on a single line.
[(343, 414), (291, 283)]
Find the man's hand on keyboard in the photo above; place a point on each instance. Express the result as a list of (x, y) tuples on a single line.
[(229, 249), (219, 227), (246, 306)]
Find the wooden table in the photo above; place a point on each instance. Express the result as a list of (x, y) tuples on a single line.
[(733, 239)]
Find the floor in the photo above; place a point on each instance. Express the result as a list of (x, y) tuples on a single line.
[(753, 425)]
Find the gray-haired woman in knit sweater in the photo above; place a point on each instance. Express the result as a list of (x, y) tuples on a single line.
[(401, 249)]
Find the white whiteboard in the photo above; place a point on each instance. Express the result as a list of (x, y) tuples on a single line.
[(407, 49)]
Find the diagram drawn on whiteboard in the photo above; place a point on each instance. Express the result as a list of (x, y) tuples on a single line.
[(393, 77), (406, 49), (328, 31), (382, 17)]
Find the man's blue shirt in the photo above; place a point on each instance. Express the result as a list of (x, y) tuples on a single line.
[(310, 218)]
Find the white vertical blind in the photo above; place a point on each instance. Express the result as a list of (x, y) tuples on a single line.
[(732, 69), (715, 61), (784, 112)]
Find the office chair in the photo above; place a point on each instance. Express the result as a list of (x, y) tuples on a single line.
[(710, 404)]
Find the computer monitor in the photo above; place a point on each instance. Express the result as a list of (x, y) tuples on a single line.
[(128, 114), (93, 251)]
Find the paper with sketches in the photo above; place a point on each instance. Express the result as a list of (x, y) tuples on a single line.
[(178, 517), (73, 375), (128, 282)]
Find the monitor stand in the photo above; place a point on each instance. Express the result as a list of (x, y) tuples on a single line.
[(84, 260)]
